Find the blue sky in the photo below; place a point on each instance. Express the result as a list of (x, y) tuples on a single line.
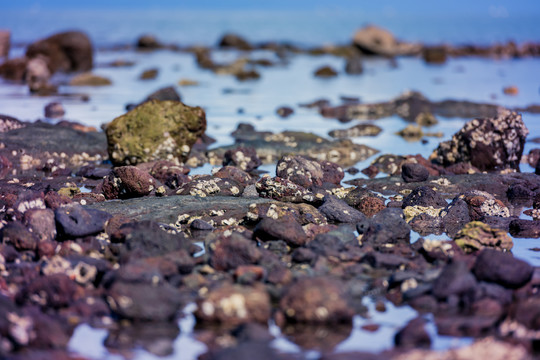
[(470, 7)]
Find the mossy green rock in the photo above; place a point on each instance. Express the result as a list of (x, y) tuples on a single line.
[(476, 235), (154, 130)]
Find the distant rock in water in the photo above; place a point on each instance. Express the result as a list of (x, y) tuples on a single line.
[(373, 40), (155, 130), (148, 42), (234, 41), (5, 36), (488, 144), (67, 51)]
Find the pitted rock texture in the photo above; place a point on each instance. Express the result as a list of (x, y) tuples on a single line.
[(155, 130), (488, 144)]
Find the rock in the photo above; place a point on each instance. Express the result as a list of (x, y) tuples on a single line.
[(434, 54), (356, 131), (526, 312), (234, 41), (482, 204), (127, 182), (413, 335), (522, 228), (354, 65), (316, 300), (282, 190), (166, 93), (426, 119), (207, 185), (243, 157), (412, 172), (502, 268), (455, 279), (8, 123), (14, 69), (519, 193), (336, 210), (144, 302), (511, 90), (89, 79), (373, 40), (286, 228), (476, 236), (325, 72), (199, 224), (42, 223), (148, 42), (19, 236), (154, 130), (455, 215), (54, 110), (308, 173), (488, 144), (234, 173), (232, 305), (73, 220), (284, 111), (37, 75), (228, 253), (54, 291), (67, 51), (149, 74), (387, 226), (5, 44), (424, 196)]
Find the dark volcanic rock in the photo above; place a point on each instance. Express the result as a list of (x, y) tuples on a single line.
[(522, 228), (243, 157), (42, 223), (127, 182), (19, 236), (373, 40), (207, 185), (502, 268), (282, 190), (455, 279), (387, 226), (307, 173), (434, 54), (166, 93), (285, 111), (424, 196), (413, 335), (230, 252), (286, 228), (74, 220), (316, 300), (54, 110), (411, 172), (488, 143), (148, 42), (234, 41), (54, 291), (67, 51), (337, 210)]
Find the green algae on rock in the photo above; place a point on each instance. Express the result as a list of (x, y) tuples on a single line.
[(476, 236), (155, 130)]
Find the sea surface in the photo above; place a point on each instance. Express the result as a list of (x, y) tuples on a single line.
[(228, 102)]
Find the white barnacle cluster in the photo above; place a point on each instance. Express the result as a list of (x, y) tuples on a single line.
[(203, 188), (31, 204)]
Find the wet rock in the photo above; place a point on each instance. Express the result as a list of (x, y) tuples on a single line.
[(455, 279), (236, 174), (234, 41), (54, 110), (522, 228), (455, 215), (207, 185), (424, 196), (164, 130), (243, 157), (308, 173), (284, 111), (373, 40), (67, 51), (316, 300), (148, 42), (337, 210), (488, 143), (41, 222), (434, 54), (325, 72), (502, 268), (19, 236), (286, 228), (37, 76), (145, 302), (74, 220), (127, 182), (8, 123), (232, 305), (354, 65), (228, 253), (356, 131), (476, 236), (89, 79), (379, 260), (282, 190), (519, 193), (14, 69), (149, 74), (157, 338), (482, 204), (371, 171), (387, 226), (411, 172), (413, 335), (170, 173), (199, 224)]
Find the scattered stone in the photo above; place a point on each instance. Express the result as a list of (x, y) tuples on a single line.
[(338, 211), (88, 79), (243, 157), (476, 236), (286, 228), (411, 172), (148, 42), (73, 220), (373, 40), (284, 111), (424, 196), (434, 54), (54, 110), (413, 335), (228, 253), (455, 279), (164, 130), (234, 41), (356, 131), (354, 65), (325, 72), (149, 74), (522, 228), (511, 90), (502, 268)]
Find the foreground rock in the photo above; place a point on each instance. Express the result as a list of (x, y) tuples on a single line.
[(155, 130), (488, 144)]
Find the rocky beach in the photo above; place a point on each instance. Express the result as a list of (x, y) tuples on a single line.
[(376, 198)]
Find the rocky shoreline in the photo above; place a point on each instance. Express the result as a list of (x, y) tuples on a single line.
[(111, 229)]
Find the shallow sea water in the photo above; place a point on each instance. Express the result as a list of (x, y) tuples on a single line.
[(290, 84)]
